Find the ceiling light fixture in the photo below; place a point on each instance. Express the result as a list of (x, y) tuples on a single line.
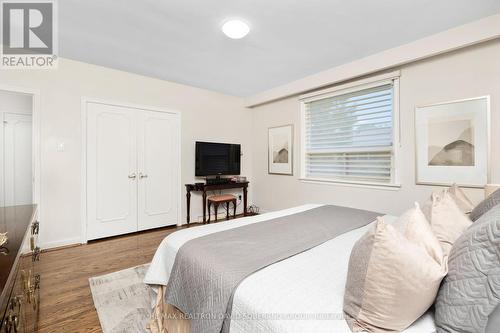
[(235, 29)]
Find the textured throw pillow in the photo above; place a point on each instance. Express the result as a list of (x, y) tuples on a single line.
[(447, 220), (393, 278), (462, 201), (485, 205), (493, 321), (470, 293)]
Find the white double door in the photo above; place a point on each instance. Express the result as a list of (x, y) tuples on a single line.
[(133, 169)]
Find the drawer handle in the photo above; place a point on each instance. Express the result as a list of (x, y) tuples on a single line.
[(36, 254), (12, 324), (4, 251), (35, 228), (12, 319), (26, 280), (30, 286), (15, 304), (37, 281)]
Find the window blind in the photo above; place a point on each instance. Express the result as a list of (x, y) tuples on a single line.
[(349, 137)]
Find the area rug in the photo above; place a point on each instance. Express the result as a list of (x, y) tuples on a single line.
[(122, 300)]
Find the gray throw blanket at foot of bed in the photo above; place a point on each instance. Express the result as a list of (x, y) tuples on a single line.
[(207, 270)]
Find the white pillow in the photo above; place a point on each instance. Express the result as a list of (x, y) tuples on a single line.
[(458, 196), (447, 221), (462, 201)]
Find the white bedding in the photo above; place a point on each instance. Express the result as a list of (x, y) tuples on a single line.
[(301, 294)]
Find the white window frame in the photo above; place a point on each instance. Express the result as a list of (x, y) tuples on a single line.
[(380, 80)]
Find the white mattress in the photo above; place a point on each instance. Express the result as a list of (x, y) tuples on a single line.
[(301, 294)]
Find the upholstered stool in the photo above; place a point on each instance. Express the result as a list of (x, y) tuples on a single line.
[(216, 200)]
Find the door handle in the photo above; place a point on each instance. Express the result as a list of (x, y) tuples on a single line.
[(132, 176), (142, 175)]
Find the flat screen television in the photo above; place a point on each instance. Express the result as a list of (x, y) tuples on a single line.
[(215, 159)]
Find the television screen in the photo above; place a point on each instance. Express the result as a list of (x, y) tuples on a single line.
[(213, 159)]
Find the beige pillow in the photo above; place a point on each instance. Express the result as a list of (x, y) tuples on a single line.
[(418, 231), (447, 220), (458, 196), (462, 201), (393, 278)]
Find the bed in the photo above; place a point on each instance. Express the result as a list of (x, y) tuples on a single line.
[(303, 293)]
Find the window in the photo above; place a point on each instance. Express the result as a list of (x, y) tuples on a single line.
[(348, 136)]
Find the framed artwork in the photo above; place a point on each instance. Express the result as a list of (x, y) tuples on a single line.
[(280, 150), (453, 142)]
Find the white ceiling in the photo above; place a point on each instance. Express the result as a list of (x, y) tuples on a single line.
[(181, 40)]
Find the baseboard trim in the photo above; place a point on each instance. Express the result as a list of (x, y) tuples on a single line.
[(60, 244), (57, 248)]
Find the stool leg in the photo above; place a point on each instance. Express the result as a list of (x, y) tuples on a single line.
[(216, 205), (234, 209), (227, 210), (209, 205)]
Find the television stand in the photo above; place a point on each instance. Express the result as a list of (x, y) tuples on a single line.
[(204, 188), (217, 180)]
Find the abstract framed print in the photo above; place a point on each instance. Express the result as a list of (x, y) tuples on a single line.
[(280, 150), (453, 142)]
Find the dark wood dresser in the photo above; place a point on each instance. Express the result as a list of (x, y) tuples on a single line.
[(19, 281)]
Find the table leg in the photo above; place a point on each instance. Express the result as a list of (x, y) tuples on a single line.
[(209, 205), (204, 206), (188, 204), (244, 201)]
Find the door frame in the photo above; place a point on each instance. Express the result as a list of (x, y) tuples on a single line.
[(36, 139), (84, 102)]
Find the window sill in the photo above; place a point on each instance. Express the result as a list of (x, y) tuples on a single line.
[(377, 186)]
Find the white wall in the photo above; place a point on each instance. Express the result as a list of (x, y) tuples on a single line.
[(11, 103), (211, 116), (15, 102), (470, 72), (205, 115)]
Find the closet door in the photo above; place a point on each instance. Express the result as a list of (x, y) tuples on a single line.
[(111, 170), (159, 169), (17, 160)]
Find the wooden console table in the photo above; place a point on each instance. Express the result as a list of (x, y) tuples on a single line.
[(213, 187)]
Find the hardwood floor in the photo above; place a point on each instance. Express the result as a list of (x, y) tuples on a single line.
[(66, 302)]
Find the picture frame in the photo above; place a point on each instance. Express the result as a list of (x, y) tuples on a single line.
[(452, 143), (280, 150)]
